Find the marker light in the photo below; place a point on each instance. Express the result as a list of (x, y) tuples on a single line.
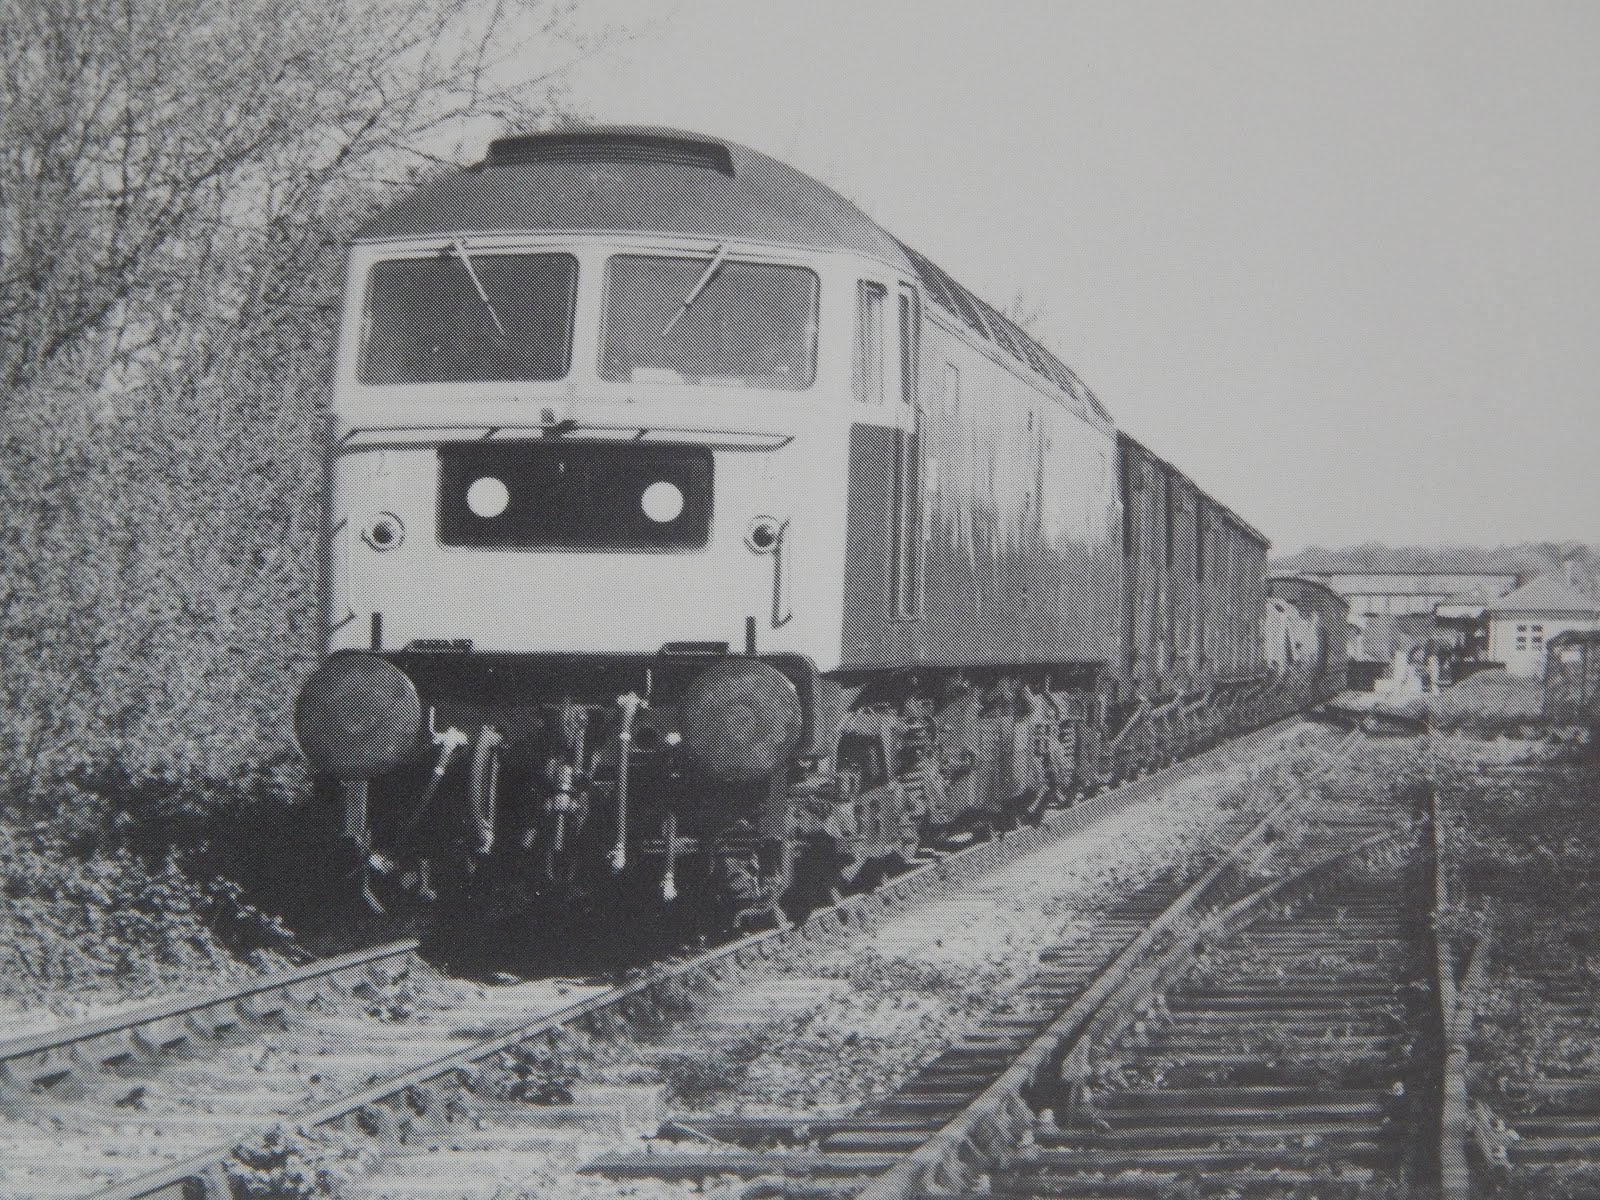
[(662, 502), (763, 534), (488, 497)]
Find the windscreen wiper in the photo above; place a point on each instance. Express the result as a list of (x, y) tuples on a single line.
[(460, 248), (699, 286)]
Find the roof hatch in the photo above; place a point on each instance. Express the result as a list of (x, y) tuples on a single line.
[(609, 146)]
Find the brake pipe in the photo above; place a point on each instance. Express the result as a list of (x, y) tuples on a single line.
[(669, 834), (629, 704), (449, 742), (359, 830), (485, 785)]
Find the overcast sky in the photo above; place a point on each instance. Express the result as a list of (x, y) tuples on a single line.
[(1339, 261)]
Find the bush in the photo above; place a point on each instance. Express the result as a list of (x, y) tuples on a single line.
[(174, 249), (88, 913)]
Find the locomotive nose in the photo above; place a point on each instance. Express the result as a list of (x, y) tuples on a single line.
[(741, 719), (358, 716)]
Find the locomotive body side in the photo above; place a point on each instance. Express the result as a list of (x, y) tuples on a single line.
[(1006, 485)]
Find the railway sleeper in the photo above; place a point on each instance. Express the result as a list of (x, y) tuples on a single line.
[(1183, 1115), (1371, 1154), (685, 1167), (1201, 1135), (1349, 1184)]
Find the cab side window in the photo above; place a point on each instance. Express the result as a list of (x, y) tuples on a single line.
[(910, 315), (867, 376)]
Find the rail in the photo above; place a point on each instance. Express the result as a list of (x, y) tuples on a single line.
[(1000, 1115), (17, 1050), (395, 1099)]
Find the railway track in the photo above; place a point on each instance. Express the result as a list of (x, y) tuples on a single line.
[(155, 1102), (118, 1095), (1213, 1034)]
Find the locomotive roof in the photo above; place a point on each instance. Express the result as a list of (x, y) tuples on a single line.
[(623, 179), (615, 179)]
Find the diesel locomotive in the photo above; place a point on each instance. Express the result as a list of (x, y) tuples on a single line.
[(689, 534)]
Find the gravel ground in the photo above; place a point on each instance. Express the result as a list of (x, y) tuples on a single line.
[(886, 1004), (859, 1020)]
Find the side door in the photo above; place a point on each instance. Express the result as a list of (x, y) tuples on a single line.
[(911, 465)]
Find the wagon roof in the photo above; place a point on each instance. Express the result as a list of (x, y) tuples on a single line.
[(1249, 530), (1301, 583)]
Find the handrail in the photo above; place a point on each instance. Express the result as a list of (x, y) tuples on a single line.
[(433, 432)]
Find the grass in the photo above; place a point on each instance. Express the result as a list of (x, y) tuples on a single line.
[(1525, 848), (1488, 704), (1491, 701)]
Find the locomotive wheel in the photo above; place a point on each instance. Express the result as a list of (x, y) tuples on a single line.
[(817, 878)]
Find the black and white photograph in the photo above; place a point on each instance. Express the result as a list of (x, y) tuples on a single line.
[(755, 600)]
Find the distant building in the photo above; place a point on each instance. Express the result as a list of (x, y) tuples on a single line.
[(1329, 618), (1394, 610), (1462, 621), (1572, 678), (1403, 593), (1522, 623)]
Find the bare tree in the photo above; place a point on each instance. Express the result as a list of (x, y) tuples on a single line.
[(141, 137), (177, 181)]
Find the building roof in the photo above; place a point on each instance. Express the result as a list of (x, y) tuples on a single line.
[(1443, 584), (1545, 594), (1575, 637)]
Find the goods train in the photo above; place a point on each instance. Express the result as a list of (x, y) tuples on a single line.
[(691, 534)]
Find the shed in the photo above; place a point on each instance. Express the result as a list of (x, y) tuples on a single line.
[(1522, 623), (1572, 678)]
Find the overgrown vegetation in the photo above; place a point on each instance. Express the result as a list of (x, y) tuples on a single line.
[(178, 181), (111, 892), (1486, 705), (1489, 702), (171, 239), (1525, 849)]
